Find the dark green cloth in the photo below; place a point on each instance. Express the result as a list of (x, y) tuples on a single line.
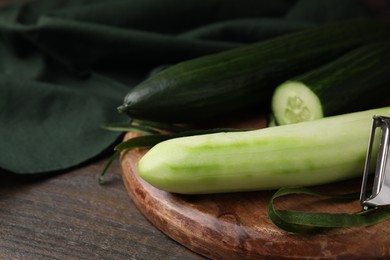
[(66, 65)]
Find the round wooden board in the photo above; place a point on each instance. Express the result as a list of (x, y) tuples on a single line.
[(236, 225)]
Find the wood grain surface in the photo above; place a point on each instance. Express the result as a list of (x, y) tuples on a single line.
[(236, 225), (71, 216)]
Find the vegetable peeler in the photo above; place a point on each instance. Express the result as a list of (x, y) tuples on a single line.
[(378, 156)]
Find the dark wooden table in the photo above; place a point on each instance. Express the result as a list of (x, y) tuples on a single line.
[(71, 216)]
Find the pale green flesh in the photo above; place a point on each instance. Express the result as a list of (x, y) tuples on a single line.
[(303, 154), (294, 102)]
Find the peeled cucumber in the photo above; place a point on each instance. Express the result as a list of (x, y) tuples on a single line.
[(303, 154)]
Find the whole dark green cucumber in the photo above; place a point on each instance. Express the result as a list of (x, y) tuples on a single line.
[(242, 78), (358, 80)]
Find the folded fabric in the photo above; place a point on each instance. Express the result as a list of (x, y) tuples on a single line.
[(66, 65)]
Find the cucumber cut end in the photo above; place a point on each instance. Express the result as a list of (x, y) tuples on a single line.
[(294, 102)]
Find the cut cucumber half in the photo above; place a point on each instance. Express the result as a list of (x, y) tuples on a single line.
[(356, 81), (294, 102)]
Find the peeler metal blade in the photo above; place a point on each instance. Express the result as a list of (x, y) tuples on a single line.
[(378, 155)]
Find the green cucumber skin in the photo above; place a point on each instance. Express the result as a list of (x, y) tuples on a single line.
[(356, 81), (303, 154), (243, 78)]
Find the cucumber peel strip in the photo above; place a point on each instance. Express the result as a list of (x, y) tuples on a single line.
[(144, 127), (310, 222), (125, 127)]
